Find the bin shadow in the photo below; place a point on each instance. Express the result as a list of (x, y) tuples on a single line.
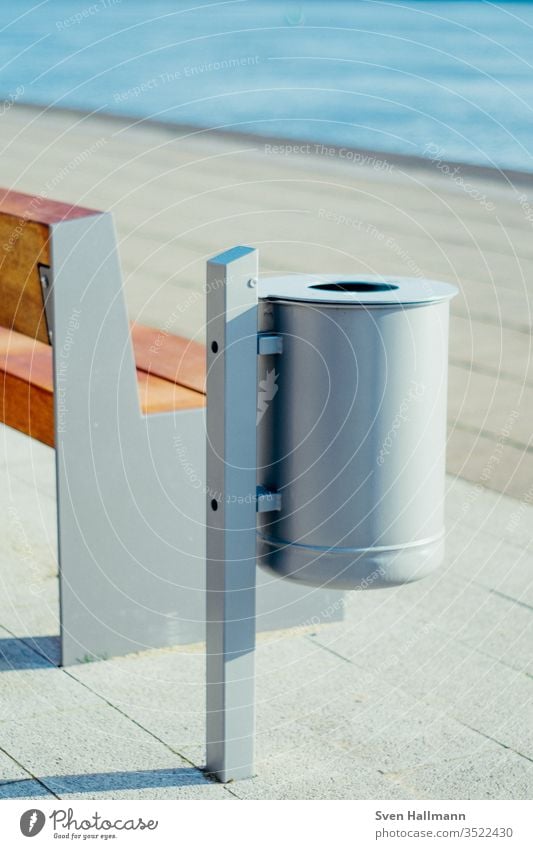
[(109, 782), (29, 653)]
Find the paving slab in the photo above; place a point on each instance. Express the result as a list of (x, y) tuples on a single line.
[(10, 770), (96, 751), (31, 691), (492, 348), (459, 682), (163, 691), (306, 774), (469, 613), (499, 565), (489, 774), (490, 513)]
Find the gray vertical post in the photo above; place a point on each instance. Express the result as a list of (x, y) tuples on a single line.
[(231, 511)]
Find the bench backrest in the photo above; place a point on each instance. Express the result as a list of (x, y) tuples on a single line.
[(169, 370), (25, 259)]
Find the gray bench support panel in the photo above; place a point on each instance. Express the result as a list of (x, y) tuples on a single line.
[(131, 488)]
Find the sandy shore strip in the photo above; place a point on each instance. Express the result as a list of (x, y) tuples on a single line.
[(181, 195), (422, 691)]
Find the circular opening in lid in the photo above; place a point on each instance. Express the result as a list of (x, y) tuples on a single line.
[(354, 286)]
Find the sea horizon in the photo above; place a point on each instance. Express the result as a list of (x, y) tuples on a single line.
[(446, 77)]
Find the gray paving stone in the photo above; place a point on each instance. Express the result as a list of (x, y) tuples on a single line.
[(461, 683), (16, 450), (501, 566), (492, 773), (30, 693), (41, 475), (29, 603), (490, 512), (468, 612), (28, 461), (491, 347), (490, 404), (354, 718), (38, 618), (58, 747), (10, 770), (363, 713), (164, 691), (28, 533), (470, 456), (307, 774)]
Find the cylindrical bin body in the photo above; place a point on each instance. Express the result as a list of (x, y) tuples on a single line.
[(352, 429)]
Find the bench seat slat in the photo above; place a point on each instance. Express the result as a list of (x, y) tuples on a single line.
[(162, 396), (27, 407), (171, 357), (40, 208), (26, 383)]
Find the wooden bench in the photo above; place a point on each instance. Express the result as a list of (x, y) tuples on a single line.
[(170, 369)]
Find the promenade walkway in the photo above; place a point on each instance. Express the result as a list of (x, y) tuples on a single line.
[(424, 691)]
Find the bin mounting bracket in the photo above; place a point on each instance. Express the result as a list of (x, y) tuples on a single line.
[(267, 500), (269, 343)]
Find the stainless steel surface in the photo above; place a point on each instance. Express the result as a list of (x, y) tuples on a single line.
[(345, 290), (231, 512), (354, 435)]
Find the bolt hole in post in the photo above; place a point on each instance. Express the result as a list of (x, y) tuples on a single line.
[(214, 347), (214, 504)]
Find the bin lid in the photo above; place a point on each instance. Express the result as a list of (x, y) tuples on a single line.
[(357, 290)]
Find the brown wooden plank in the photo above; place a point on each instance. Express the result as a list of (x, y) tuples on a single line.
[(32, 367), (162, 396), (23, 245), (170, 357), (26, 359), (15, 343), (40, 209), (26, 384), (27, 407)]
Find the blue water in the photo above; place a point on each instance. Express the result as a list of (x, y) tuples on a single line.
[(456, 77)]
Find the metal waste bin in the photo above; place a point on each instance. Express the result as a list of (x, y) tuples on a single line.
[(352, 428)]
